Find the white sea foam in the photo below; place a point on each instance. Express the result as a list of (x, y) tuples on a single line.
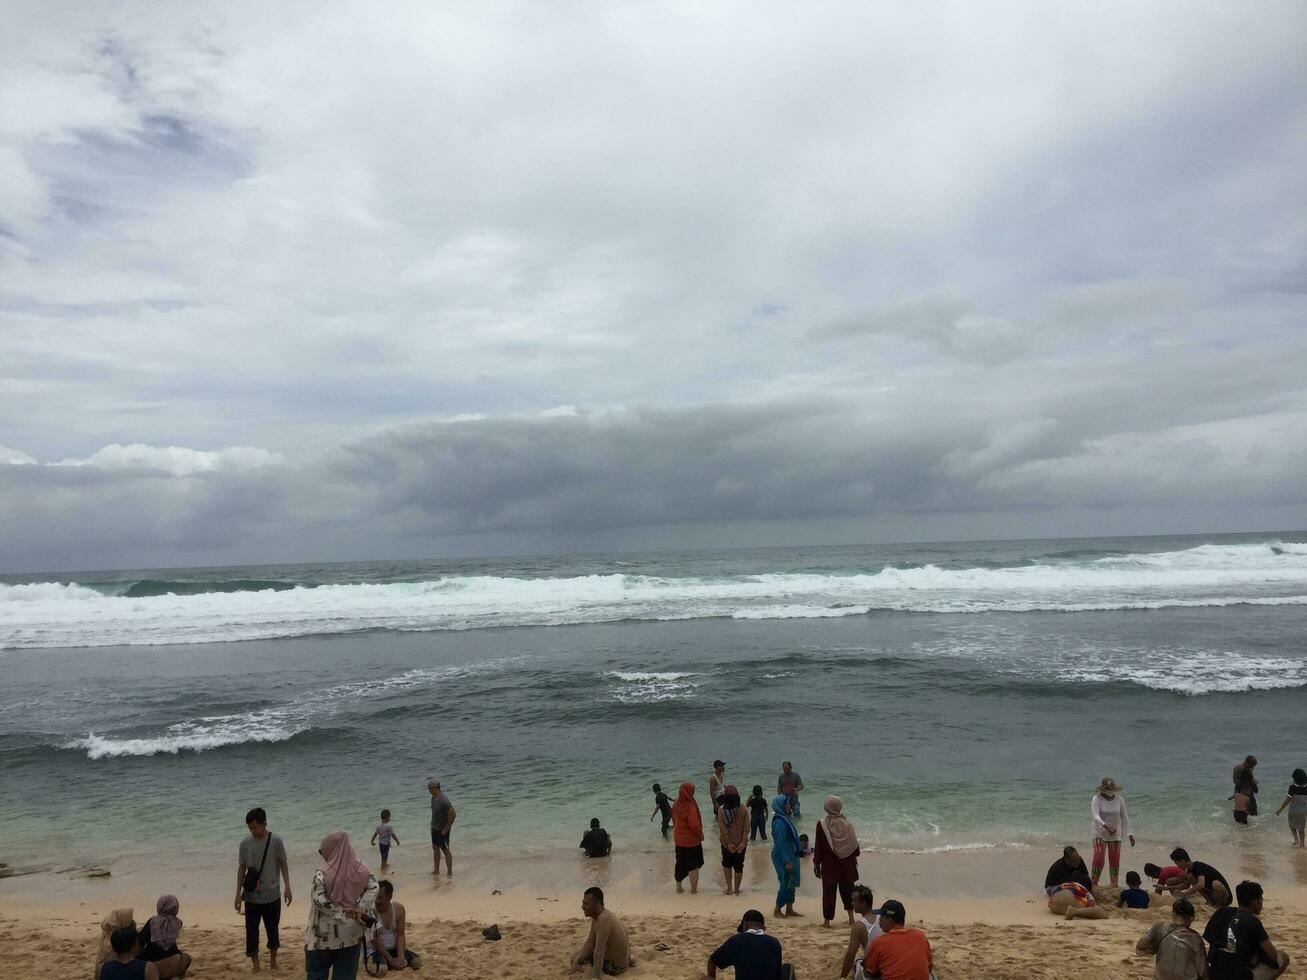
[(49, 614), (274, 724)]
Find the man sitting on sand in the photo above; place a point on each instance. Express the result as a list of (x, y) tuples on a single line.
[(866, 929), (388, 945), (1238, 947), (595, 841), (1205, 880), (752, 953), (1069, 889), (125, 963), (1180, 952), (607, 950), (901, 953)]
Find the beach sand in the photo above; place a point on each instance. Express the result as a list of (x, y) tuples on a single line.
[(985, 938)]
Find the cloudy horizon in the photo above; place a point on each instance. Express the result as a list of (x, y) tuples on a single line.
[(311, 283)]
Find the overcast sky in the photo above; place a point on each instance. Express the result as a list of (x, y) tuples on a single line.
[(312, 281)]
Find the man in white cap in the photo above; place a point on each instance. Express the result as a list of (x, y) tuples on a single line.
[(442, 821)]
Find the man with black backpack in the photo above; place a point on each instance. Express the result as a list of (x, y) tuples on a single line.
[(262, 857)]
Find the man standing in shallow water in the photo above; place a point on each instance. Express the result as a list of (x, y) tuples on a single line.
[(442, 821)]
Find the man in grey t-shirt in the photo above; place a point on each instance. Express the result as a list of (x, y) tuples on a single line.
[(442, 821), (265, 853)]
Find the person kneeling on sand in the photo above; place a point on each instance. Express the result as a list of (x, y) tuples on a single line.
[(607, 950), (125, 963), (752, 953), (1180, 952), (1069, 889), (388, 945), (1206, 880), (1171, 878), (900, 953), (1237, 943)]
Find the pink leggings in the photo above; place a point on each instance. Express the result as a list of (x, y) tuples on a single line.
[(1113, 848)]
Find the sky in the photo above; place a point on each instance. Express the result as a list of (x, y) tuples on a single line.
[(307, 281)]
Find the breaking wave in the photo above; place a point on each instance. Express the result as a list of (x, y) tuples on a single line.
[(156, 611)]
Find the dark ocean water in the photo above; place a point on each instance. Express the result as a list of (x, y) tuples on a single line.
[(955, 695)]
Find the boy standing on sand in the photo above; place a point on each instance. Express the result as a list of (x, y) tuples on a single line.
[(262, 856), (442, 822)]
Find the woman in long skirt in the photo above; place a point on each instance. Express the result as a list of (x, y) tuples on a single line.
[(785, 849)]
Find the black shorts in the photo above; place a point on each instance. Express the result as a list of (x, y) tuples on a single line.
[(688, 859), (440, 838), (733, 860)]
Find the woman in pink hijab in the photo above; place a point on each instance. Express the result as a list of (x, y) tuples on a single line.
[(344, 894)]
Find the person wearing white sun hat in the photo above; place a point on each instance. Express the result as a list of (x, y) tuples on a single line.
[(1111, 825)]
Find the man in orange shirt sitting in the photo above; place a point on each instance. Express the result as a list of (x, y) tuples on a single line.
[(900, 954)]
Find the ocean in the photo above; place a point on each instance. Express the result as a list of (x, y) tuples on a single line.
[(957, 696)]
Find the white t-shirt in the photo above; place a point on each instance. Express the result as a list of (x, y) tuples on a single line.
[(385, 834)]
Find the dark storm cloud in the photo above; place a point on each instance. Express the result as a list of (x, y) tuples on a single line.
[(833, 264)]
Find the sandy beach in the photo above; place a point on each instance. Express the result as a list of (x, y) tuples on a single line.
[(982, 922)]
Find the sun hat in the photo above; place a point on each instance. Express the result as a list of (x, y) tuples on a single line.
[(1109, 785)]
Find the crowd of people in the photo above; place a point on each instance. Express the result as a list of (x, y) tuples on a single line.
[(354, 918)]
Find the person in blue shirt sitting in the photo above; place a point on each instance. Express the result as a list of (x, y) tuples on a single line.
[(1132, 896)]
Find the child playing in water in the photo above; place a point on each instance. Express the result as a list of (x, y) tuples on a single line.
[(758, 810), (804, 849), (383, 836), (1132, 896)]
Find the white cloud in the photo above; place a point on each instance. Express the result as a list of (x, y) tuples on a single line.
[(175, 460)]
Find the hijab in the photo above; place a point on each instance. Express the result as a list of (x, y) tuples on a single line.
[(730, 801), (778, 805), (344, 874), (115, 920), (841, 836), (685, 806), (165, 926)]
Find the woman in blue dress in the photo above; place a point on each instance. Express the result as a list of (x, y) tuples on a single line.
[(785, 850)]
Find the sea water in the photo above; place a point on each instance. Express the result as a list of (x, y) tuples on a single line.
[(957, 696)]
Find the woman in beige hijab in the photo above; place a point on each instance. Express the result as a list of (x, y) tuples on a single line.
[(835, 859), (115, 920)]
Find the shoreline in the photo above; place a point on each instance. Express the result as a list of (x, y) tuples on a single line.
[(997, 936)]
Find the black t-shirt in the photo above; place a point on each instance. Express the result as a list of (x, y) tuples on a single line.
[(596, 842), (1296, 790), (758, 806), (1062, 873), (1209, 874), (755, 956), (663, 803), (1234, 939)]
